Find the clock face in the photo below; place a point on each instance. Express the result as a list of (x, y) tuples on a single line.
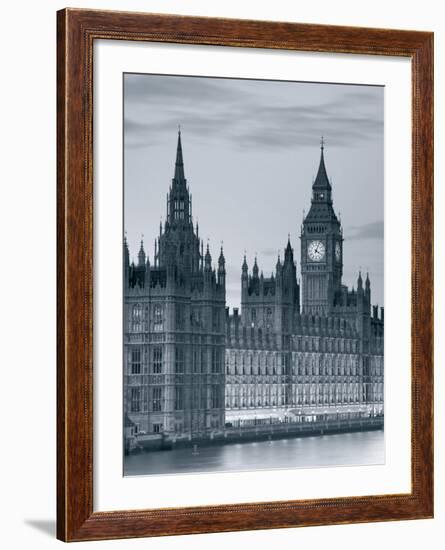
[(316, 251), (337, 251)]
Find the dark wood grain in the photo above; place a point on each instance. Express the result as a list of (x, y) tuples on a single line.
[(76, 32)]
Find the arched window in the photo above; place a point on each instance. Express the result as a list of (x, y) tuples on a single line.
[(158, 321), (136, 318)]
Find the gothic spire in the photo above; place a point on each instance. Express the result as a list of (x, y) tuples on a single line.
[(321, 181), (360, 281), (288, 253), (179, 165), (221, 268), (244, 267), (179, 201), (321, 204), (255, 269), (208, 260), (368, 288), (221, 259), (141, 255)]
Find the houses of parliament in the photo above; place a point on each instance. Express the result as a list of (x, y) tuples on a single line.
[(193, 368)]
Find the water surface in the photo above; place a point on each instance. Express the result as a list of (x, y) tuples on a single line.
[(350, 449)]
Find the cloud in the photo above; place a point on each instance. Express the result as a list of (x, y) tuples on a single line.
[(142, 88), (269, 252), (374, 230), (250, 114)]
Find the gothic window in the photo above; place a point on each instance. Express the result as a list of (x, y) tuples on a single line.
[(215, 319), (203, 400), (179, 360), (195, 316), (306, 366), (253, 317), (215, 361), (136, 318), (179, 398), (285, 317), (158, 320), (181, 210), (268, 318), (180, 317), (215, 397), (195, 361), (135, 400), (195, 400), (157, 398), (157, 360), (157, 428), (203, 362), (135, 361)]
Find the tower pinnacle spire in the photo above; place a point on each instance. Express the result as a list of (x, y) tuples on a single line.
[(321, 181), (179, 164)]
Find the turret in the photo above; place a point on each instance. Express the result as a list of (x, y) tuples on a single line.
[(255, 269), (244, 280), (244, 269), (279, 273), (147, 274), (221, 268), (141, 255), (208, 260), (360, 283), (288, 254), (368, 289)]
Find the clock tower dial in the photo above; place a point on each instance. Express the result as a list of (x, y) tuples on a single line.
[(316, 251)]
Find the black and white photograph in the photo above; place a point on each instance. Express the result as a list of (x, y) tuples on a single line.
[(253, 274)]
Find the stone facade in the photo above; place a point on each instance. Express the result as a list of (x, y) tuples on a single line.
[(321, 360), (191, 367), (174, 316)]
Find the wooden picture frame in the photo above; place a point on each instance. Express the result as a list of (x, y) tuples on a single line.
[(76, 32)]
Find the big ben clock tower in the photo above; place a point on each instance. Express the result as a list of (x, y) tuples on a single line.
[(321, 247)]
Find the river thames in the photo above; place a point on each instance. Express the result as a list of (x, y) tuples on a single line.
[(346, 449)]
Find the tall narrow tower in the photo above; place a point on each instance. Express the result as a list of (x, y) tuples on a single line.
[(175, 326), (321, 247), (179, 244)]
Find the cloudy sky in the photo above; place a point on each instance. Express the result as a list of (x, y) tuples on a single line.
[(251, 150)]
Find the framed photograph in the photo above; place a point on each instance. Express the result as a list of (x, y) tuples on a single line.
[(245, 275)]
